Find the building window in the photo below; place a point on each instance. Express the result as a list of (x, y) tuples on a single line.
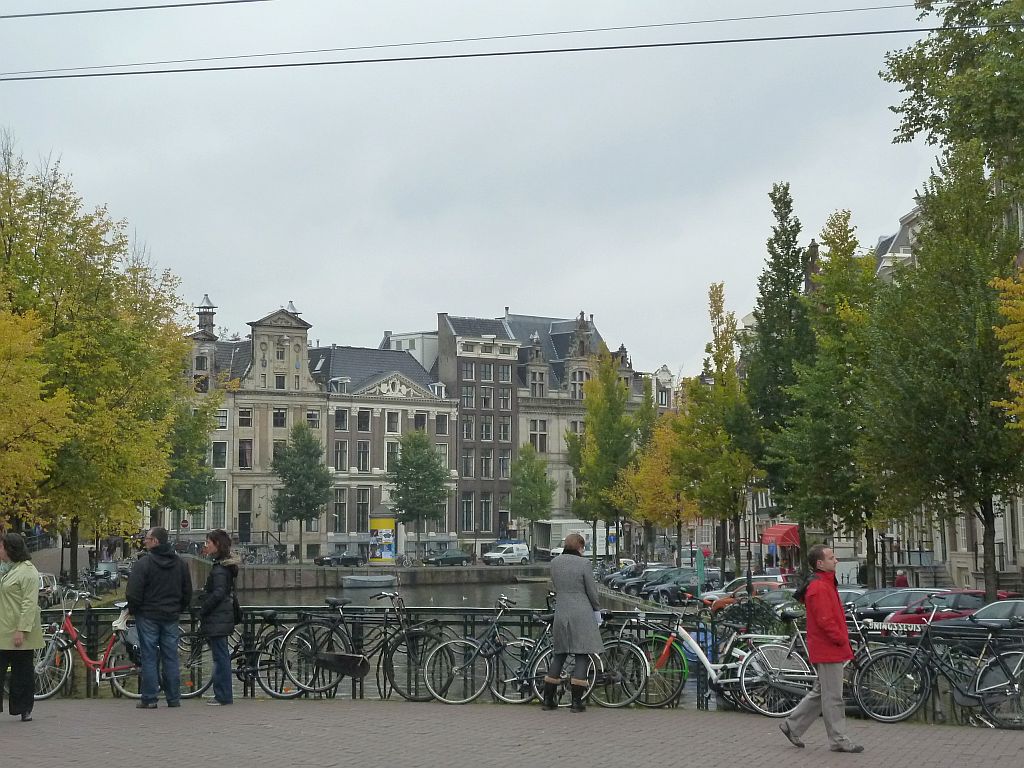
[(467, 511), (536, 384), (468, 396), (486, 397), (468, 346), (505, 429), (220, 455), (486, 372), (340, 513), (313, 418), (505, 349), (280, 418), (576, 426), (663, 398), (245, 454), (486, 427), (296, 381), (398, 345), (391, 422), (442, 452), (487, 349), (363, 455), (263, 380), (279, 445), (245, 499), (486, 516), (245, 417), (505, 399), (539, 435), (341, 420), (441, 424), (363, 420), (362, 510), (468, 459), (468, 370), (222, 418), (505, 373), (578, 378), (411, 344), (279, 381), (280, 353), (313, 525), (504, 502), (486, 463), (217, 504), (198, 520), (341, 455), (419, 422), (390, 455), (467, 427), (505, 463), (201, 363)]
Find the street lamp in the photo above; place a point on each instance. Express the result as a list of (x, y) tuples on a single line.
[(882, 538)]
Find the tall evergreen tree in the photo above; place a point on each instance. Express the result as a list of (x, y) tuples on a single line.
[(419, 483), (305, 479), (934, 425)]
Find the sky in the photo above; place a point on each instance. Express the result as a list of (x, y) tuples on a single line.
[(620, 183)]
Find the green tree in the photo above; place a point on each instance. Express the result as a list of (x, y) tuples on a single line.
[(420, 482), (819, 447), (964, 84), (32, 425), (305, 480), (531, 487), (190, 481), (934, 426)]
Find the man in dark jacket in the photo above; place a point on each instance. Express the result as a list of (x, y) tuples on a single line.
[(828, 646), (159, 591)]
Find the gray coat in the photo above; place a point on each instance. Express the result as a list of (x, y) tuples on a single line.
[(575, 629)]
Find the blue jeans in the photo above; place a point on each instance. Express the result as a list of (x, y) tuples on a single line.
[(221, 669), (158, 642)]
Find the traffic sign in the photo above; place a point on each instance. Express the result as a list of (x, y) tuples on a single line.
[(184, 523)]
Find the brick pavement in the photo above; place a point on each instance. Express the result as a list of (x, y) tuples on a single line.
[(108, 733)]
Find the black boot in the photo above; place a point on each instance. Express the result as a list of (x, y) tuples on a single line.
[(550, 688), (579, 688)]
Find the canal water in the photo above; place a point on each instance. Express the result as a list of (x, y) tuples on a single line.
[(525, 595)]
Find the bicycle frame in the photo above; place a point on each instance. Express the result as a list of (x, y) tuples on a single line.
[(67, 636)]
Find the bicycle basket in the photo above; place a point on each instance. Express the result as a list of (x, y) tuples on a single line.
[(130, 640), (491, 646)]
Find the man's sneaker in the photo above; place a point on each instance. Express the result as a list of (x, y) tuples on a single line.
[(146, 705), (855, 748), (215, 703), (793, 739)]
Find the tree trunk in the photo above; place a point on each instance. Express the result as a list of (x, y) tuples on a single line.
[(618, 535), (419, 527), (302, 524), (593, 538), (737, 548), (679, 542), (723, 546), (988, 539), (802, 566), (870, 556), (73, 560)]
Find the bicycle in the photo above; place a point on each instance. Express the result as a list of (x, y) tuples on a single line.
[(895, 683), (311, 646), (407, 561)]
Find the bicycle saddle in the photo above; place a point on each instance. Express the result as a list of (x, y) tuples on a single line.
[(121, 604), (790, 615), (267, 616), (338, 602), (542, 618)]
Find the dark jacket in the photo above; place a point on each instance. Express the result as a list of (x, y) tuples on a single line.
[(216, 608), (159, 586), (828, 641)]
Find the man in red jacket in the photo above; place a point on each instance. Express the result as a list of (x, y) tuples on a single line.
[(828, 646)]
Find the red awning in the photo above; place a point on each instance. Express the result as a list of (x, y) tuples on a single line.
[(781, 535)]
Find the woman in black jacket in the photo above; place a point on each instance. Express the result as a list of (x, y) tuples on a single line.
[(217, 612)]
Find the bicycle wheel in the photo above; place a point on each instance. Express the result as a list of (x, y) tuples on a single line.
[(405, 661), (774, 680), (624, 675), (52, 664), (1000, 686), (302, 646), (669, 670), (195, 664), (126, 680), (456, 672), (269, 669), (539, 671), (891, 686), (510, 679)]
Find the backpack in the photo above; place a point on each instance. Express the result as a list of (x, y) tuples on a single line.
[(801, 590)]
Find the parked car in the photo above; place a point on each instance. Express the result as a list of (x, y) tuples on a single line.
[(616, 581), (1006, 614), (448, 557), (718, 601), (740, 582), (955, 604), (878, 609), (508, 553), (49, 593), (335, 559), (648, 578), (108, 571), (634, 583), (868, 597), (680, 587), (848, 594)]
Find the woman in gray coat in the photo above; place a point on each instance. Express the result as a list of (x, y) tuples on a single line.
[(577, 617)]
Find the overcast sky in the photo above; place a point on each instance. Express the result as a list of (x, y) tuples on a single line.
[(620, 183)]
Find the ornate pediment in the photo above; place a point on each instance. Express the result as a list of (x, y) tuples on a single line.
[(282, 318), (393, 385)]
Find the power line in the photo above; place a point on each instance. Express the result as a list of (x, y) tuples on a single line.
[(497, 54), (119, 9), (489, 38)]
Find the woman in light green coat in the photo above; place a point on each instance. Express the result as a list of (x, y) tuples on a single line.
[(21, 630)]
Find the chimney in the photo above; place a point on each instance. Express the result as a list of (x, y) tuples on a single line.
[(206, 313)]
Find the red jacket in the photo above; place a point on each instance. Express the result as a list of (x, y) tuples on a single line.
[(828, 642)]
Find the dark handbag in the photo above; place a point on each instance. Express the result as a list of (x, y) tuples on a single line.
[(236, 607)]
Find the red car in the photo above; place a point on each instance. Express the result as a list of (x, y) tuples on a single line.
[(954, 604)]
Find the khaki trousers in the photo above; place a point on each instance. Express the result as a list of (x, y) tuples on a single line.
[(825, 699)]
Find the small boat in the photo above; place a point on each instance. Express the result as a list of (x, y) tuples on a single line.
[(367, 581)]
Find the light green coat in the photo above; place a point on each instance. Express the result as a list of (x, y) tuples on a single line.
[(19, 607)]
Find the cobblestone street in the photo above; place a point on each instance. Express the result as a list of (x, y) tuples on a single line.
[(110, 734)]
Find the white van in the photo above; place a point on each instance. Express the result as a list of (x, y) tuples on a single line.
[(508, 553)]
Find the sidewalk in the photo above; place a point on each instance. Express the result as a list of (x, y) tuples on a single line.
[(109, 733)]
